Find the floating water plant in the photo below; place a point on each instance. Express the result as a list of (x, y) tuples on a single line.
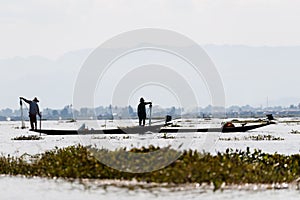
[(165, 136), (252, 137), (295, 132), (264, 137), (230, 167), (28, 137)]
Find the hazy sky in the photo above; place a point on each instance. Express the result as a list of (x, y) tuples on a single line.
[(50, 28)]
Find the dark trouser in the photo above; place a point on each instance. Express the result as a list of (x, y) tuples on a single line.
[(142, 119), (33, 123)]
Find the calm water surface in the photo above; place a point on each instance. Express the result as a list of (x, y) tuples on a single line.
[(37, 188)]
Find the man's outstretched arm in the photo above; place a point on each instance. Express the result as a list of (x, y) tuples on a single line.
[(27, 101)]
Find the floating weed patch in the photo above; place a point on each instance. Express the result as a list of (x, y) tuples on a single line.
[(165, 136), (28, 137), (295, 132), (231, 167), (18, 127), (111, 137), (229, 139), (264, 137), (98, 138), (252, 137)]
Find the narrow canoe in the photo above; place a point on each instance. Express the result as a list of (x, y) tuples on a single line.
[(152, 129)]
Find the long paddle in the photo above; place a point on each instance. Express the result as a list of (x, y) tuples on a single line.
[(40, 123), (22, 116), (150, 114)]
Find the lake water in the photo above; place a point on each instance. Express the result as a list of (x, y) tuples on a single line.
[(35, 188)]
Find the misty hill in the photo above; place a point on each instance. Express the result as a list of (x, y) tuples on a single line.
[(250, 75)]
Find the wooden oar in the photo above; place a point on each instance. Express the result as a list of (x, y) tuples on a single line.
[(40, 124), (150, 114), (22, 116)]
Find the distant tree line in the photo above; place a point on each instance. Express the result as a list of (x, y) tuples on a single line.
[(117, 112)]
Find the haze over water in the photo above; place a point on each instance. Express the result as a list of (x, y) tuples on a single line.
[(253, 44)]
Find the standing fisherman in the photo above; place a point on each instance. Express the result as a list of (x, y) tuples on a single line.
[(33, 111), (142, 111)]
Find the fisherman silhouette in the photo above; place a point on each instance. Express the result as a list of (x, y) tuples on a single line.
[(141, 110), (33, 111)]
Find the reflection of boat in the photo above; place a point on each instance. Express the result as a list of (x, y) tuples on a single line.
[(227, 127)]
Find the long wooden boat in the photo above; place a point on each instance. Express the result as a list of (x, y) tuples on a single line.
[(125, 130), (226, 128)]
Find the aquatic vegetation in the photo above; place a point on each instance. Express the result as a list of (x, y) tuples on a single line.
[(19, 127), (295, 131), (230, 167), (98, 138), (264, 137), (252, 137), (111, 137), (165, 136), (28, 137), (229, 139)]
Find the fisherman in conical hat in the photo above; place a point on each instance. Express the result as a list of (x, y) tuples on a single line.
[(141, 110), (33, 111)]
